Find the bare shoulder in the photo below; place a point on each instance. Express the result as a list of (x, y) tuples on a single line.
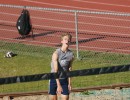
[(55, 55)]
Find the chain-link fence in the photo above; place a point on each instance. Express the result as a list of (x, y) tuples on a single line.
[(92, 31), (100, 39)]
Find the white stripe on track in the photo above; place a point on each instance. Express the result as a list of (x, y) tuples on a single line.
[(101, 3), (36, 2)]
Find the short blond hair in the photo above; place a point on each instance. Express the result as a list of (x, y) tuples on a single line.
[(66, 34)]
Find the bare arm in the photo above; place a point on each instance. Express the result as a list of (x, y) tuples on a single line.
[(55, 62)]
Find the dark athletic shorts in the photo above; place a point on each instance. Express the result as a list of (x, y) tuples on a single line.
[(53, 86)]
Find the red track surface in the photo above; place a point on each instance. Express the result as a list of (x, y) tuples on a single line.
[(95, 34), (104, 5)]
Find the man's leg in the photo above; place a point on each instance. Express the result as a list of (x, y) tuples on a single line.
[(65, 93), (53, 97), (65, 97), (52, 90)]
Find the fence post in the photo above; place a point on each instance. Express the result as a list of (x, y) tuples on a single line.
[(76, 30)]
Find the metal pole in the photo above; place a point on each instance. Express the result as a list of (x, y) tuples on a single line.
[(76, 30)]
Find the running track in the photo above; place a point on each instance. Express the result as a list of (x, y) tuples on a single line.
[(111, 37)]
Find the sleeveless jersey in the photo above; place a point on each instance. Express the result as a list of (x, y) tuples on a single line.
[(64, 59)]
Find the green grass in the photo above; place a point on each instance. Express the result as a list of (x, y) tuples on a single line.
[(36, 60)]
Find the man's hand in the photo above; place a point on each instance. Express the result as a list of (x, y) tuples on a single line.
[(69, 87), (59, 89)]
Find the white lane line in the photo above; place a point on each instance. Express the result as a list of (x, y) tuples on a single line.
[(37, 2), (101, 3)]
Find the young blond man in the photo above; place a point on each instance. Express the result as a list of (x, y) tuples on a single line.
[(61, 61)]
